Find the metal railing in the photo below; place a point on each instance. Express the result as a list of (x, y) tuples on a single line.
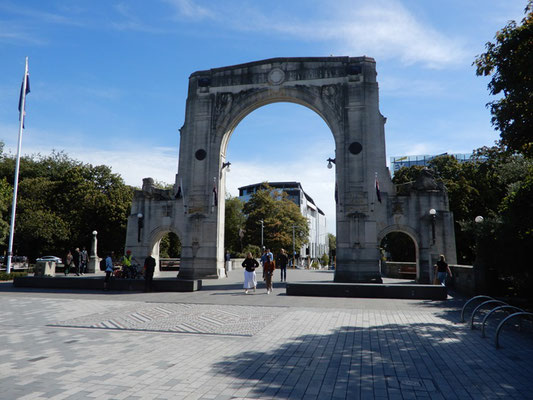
[(499, 328), (514, 312)]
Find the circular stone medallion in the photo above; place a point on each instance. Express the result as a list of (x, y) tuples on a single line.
[(276, 76), (200, 154), (355, 148)]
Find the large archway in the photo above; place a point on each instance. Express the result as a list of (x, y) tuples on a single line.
[(344, 92)]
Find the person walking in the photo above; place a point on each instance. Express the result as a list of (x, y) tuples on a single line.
[(250, 280), (281, 262), (68, 263), (268, 270), (149, 268), (76, 260), (227, 262), (442, 269), (108, 270), (84, 261)]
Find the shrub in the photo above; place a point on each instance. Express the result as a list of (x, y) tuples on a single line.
[(9, 277)]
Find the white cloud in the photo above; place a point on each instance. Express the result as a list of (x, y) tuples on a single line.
[(188, 9), (384, 29), (132, 160)]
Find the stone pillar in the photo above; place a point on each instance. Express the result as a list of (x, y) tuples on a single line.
[(94, 262)]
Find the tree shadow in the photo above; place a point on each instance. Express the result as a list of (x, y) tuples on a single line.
[(428, 360)]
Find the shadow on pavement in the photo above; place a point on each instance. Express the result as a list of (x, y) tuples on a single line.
[(424, 360)]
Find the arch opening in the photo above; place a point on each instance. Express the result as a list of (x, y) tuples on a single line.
[(282, 141), (399, 255)]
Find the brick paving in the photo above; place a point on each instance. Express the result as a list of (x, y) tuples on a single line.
[(222, 344)]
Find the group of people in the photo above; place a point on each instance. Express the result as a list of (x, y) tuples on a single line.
[(250, 264), (77, 260), (127, 262)]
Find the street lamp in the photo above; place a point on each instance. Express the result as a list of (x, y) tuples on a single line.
[(330, 161), (226, 165), (293, 247), (478, 219), (433, 214), (262, 227), (140, 224)]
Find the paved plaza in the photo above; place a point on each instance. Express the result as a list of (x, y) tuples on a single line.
[(219, 343)]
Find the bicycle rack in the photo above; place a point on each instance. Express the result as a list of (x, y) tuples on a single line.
[(498, 329), (479, 307), (469, 301), (493, 311)]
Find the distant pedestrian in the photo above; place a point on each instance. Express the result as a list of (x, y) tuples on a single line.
[(149, 268), (264, 257), (227, 262), (250, 280), (68, 263), (76, 260), (281, 262), (108, 270), (442, 269), (84, 261), (268, 270)]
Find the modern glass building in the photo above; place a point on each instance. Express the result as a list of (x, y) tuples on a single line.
[(408, 161), (318, 236)]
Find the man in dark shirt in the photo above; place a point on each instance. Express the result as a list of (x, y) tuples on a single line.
[(281, 263), (149, 267)]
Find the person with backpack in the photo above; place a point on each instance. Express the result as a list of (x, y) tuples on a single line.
[(268, 269)]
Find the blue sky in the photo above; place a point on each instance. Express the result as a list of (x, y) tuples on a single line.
[(109, 78)]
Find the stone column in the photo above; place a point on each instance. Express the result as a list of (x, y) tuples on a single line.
[(94, 261)]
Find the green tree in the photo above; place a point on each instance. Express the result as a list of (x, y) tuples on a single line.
[(332, 243), (61, 201), (170, 246), (509, 61), (399, 247), (234, 221), (279, 215), (6, 196)]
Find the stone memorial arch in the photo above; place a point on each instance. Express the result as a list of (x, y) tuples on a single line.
[(344, 92)]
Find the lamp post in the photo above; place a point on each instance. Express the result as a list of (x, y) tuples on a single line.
[(262, 227), (93, 258), (140, 224), (433, 214), (480, 276), (293, 247)]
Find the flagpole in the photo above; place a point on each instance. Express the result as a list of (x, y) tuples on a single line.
[(17, 166)]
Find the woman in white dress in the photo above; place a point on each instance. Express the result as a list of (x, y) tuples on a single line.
[(249, 264)]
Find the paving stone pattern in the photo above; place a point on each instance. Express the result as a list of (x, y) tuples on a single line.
[(181, 318), (342, 349)]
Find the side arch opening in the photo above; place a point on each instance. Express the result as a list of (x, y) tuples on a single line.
[(399, 254)]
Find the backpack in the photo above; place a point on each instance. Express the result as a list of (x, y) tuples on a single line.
[(102, 265)]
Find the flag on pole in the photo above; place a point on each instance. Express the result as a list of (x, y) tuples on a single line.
[(378, 193), (179, 193), (24, 90), (215, 193)]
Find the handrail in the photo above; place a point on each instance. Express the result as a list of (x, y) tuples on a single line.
[(481, 305), (494, 310), (469, 301), (498, 329)]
